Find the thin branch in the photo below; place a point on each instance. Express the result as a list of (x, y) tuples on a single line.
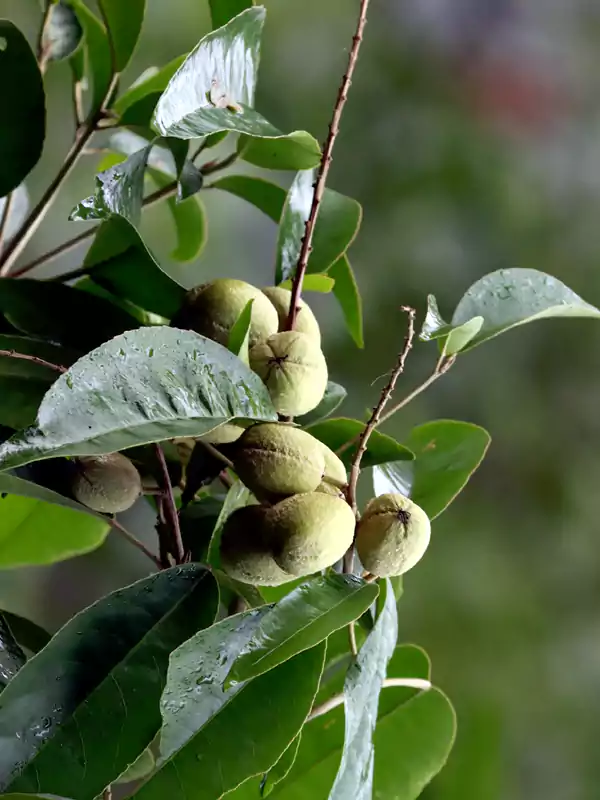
[(42, 55), (133, 540), (338, 699), (169, 507), (8, 201), (215, 453), (107, 793), (441, 369), (326, 159), (26, 357), (352, 639), (217, 166)]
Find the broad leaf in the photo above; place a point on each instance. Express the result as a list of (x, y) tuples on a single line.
[(336, 433), (62, 33), (28, 634), (86, 706), (336, 227), (447, 453), (137, 104), (237, 497), (281, 769), (454, 338), (141, 767), (266, 196), (298, 150), (348, 296), (124, 22), (313, 283), (189, 218), (23, 120), (333, 398), (239, 335), (97, 63), (191, 180), (12, 658), (221, 11), (302, 619), (143, 386), (19, 206)]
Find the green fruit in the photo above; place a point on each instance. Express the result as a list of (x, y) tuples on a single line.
[(224, 434), (335, 469), (277, 459), (245, 552), (306, 322), (309, 532), (108, 484), (392, 535), (212, 310), (294, 370)]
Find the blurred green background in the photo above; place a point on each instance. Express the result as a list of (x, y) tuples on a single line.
[(472, 139)]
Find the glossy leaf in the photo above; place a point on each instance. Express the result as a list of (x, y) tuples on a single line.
[(136, 105), (301, 620), (333, 398), (511, 297), (221, 11), (239, 335), (298, 150), (12, 658), (281, 769), (87, 705), (335, 433), (191, 181), (23, 119), (62, 33), (348, 296), (141, 767), (124, 22), (19, 207), (336, 227), (144, 386), (454, 338), (266, 196), (447, 453), (313, 283), (61, 313), (97, 64), (237, 497), (28, 634)]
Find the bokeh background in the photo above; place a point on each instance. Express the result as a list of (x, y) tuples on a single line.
[(472, 140)]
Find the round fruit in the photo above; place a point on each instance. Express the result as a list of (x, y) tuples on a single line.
[(245, 553), (306, 322), (224, 434), (335, 470), (392, 535), (108, 484), (277, 459), (212, 310), (294, 370), (309, 532)]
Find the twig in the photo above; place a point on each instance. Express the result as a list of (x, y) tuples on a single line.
[(169, 507), (324, 166), (8, 201), (134, 540), (352, 639), (107, 793), (42, 55), (35, 359), (338, 699), (215, 453), (217, 166)]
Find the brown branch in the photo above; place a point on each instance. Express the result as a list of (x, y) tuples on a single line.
[(169, 508), (8, 201), (326, 159), (26, 357), (134, 541)]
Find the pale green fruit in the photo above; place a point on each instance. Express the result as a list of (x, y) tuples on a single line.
[(306, 322), (309, 532), (294, 371), (245, 551), (329, 488), (335, 470), (277, 459), (212, 310), (392, 535), (108, 484), (224, 434)]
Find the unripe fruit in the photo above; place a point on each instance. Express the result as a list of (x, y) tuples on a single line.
[(294, 370), (108, 484), (224, 434), (212, 310), (309, 532), (392, 535), (306, 322), (277, 459), (245, 553), (335, 470)]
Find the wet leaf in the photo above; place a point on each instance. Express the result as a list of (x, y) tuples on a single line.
[(348, 296), (336, 433), (136, 105), (12, 658), (124, 22), (28, 634)]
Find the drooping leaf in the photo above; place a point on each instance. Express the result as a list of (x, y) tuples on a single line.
[(61, 313), (454, 338), (189, 218), (221, 11), (313, 283), (124, 22), (191, 181), (447, 453), (88, 704), (348, 296), (237, 497), (62, 33), (137, 104), (27, 633), (19, 206), (336, 227), (337, 432), (141, 767), (12, 658), (298, 150), (143, 386), (266, 196), (333, 398), (201, 470), (302, 619), (96, 66), (23, 119), (239, 335)]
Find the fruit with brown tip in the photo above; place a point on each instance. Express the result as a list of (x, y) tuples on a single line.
[(306, 322)]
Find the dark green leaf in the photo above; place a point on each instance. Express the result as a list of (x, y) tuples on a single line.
[(97, 64), (144, 386), (335, 433), (239, 335), (189, 218), (12, 658), (313, 283), (282, 767), (348, 296), (141, 767), (136, 105), (87, 705), (266, 196), (191, 181), (28, 634), (273, 594), (19, 206), (302, 619), (333, 398), (201, 470), (23, 120), (61, 313), (337, 225), (197, 521), (221, 11), (124, 22), (447, 453), (298, 150), (237, 497), (62, 33)]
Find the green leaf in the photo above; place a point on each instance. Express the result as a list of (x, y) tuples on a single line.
[(189, 218), (143, 386), (120, 262), (61, 313), (97, 63), (137, 104), (313, 283), (336, 227), (237, 497), (23, 121), (12, 658), (335, 433), (28, 634), (348, 296), (19, 207), (239, 335), (124, 22), (298, 150), (266, 196), (447, 453), (301, 620), (221, 11), (62, 33), (141, 767), (361, 698), (191, 180), (333, 398), (80, 712), (281, 769), (511, 297), (454, 339)]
